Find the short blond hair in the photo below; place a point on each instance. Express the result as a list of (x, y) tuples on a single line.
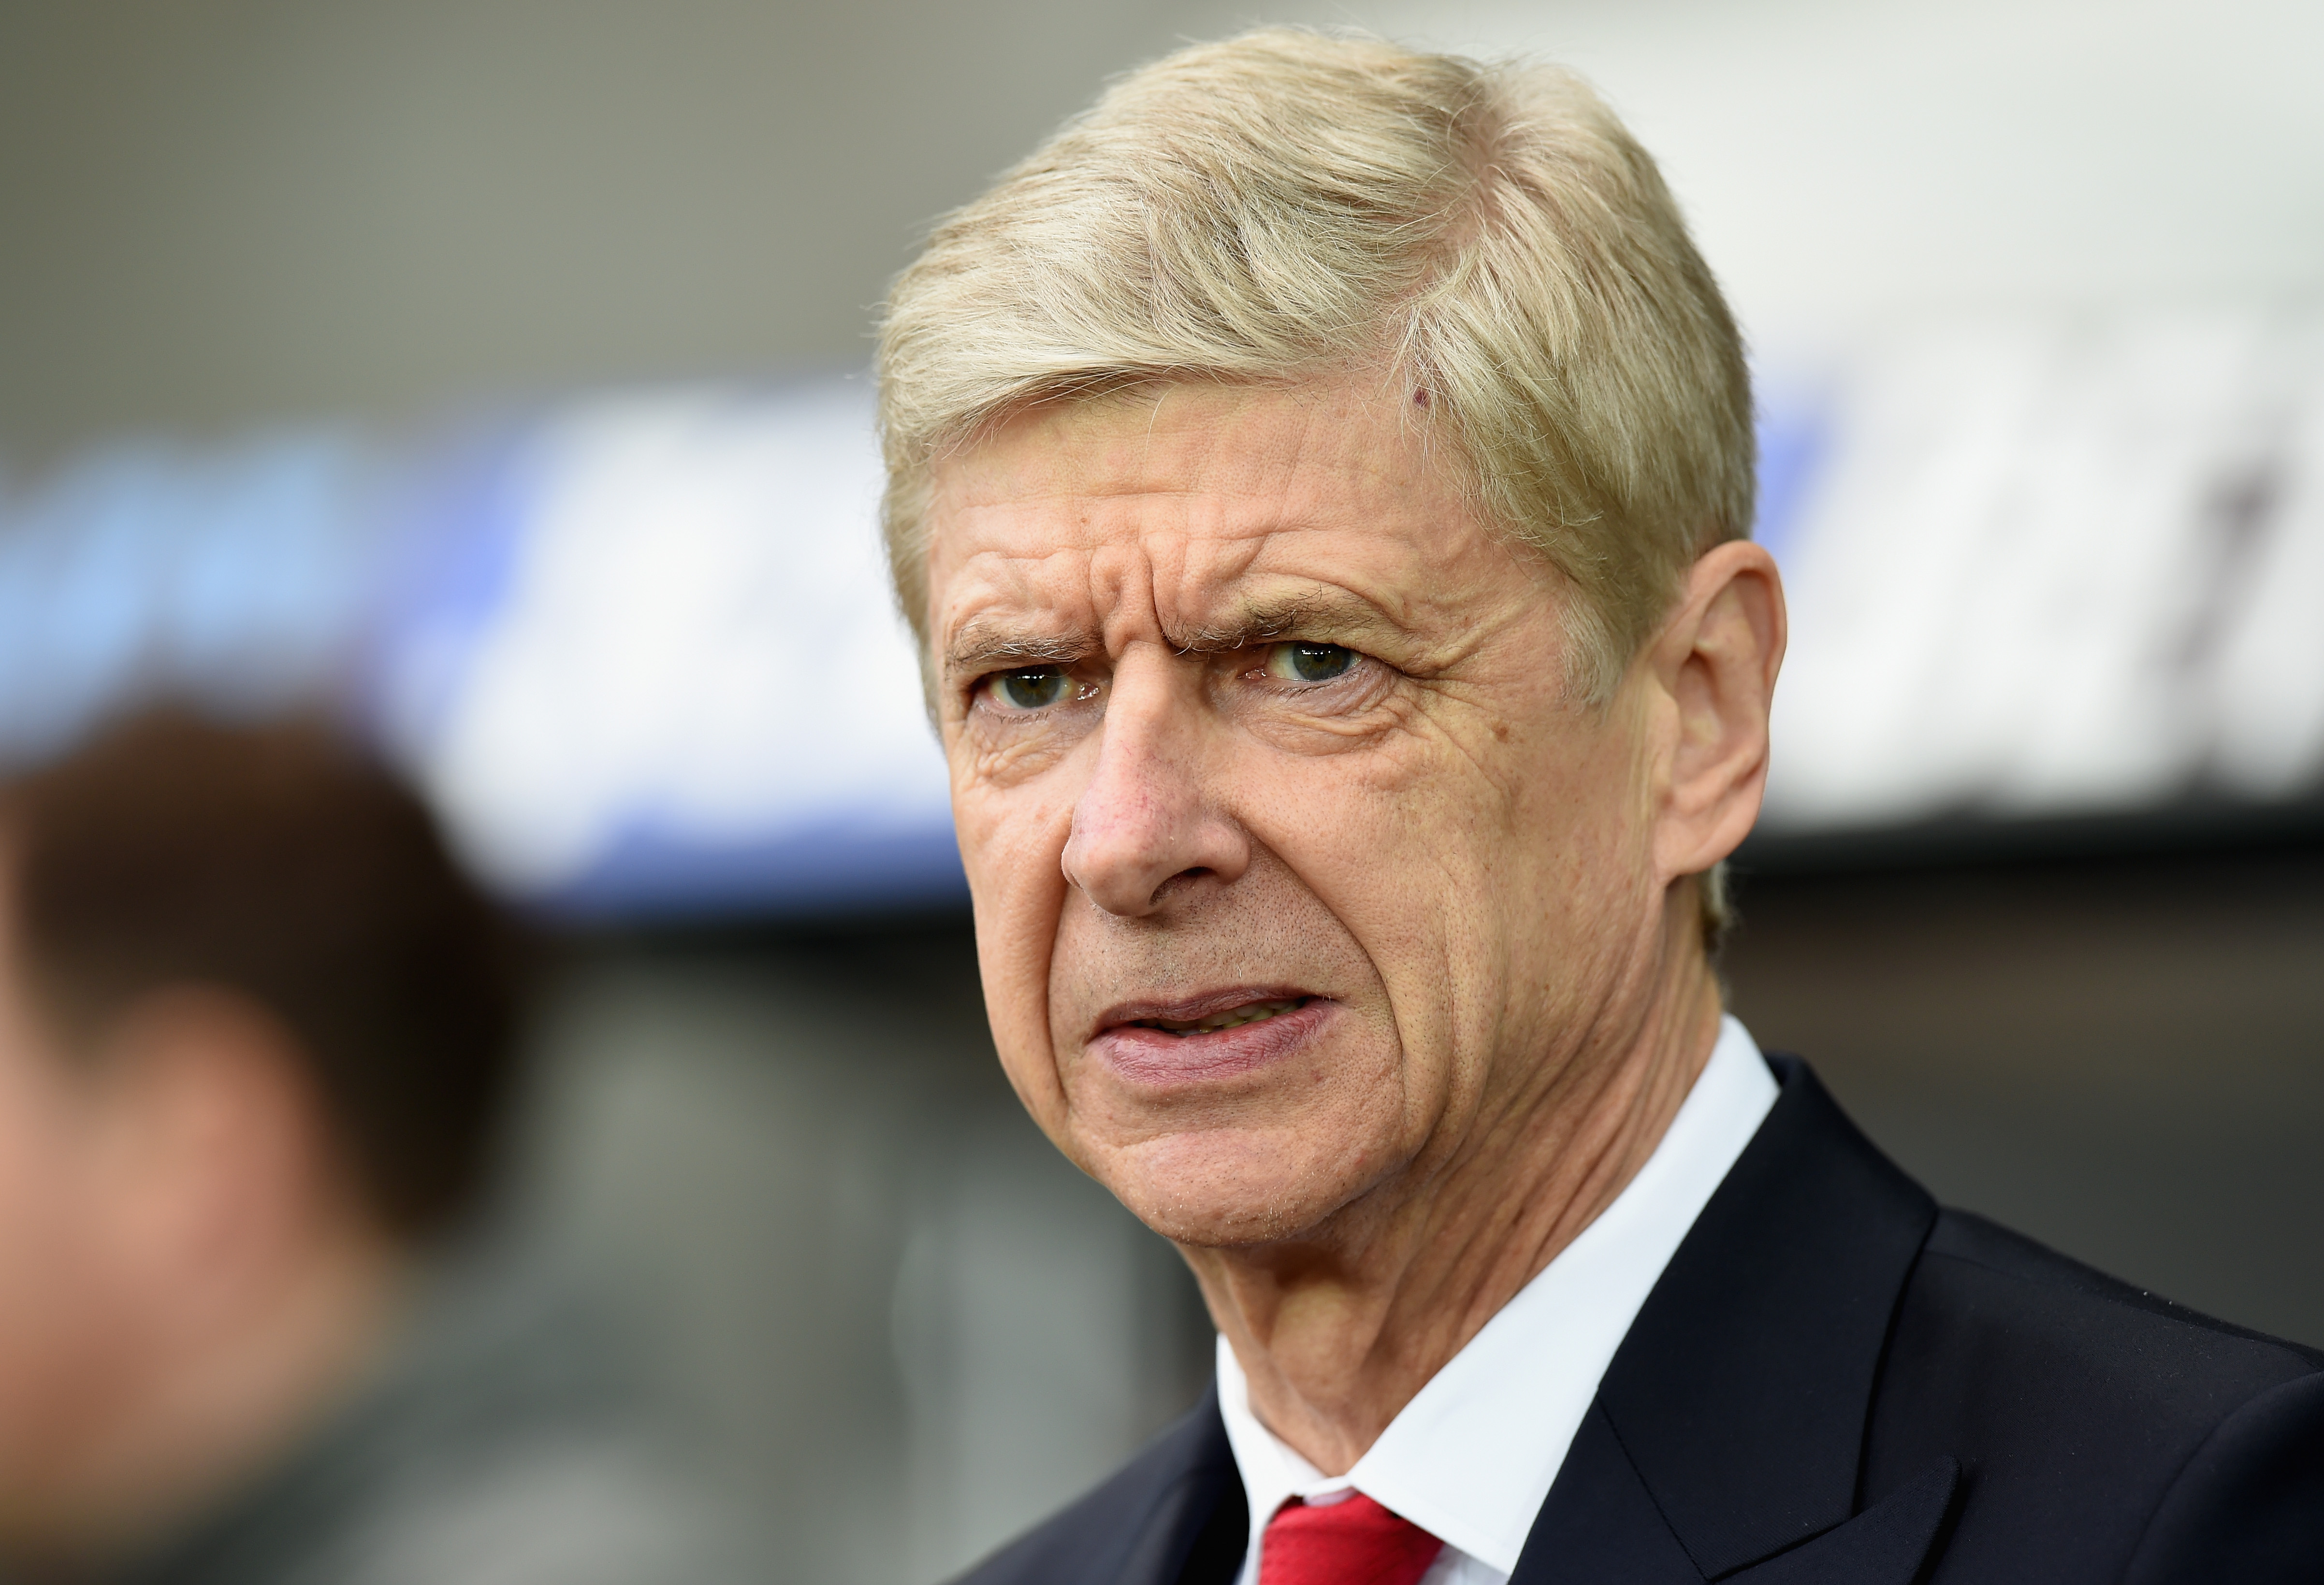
[(1290, 203)]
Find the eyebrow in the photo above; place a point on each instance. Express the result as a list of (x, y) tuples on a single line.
[(981, 646), (1259, 621), (984, 645)]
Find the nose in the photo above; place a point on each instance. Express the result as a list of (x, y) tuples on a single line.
[(1146, 821)]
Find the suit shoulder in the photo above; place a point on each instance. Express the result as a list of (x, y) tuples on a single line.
[(2249, 1505), (1139, 1523), (2076, 1405), (2022, 1284)]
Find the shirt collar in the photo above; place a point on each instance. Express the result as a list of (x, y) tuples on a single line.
[(1470, 1459)]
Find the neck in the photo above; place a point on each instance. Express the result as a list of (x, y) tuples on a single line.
[(1338, 1330)]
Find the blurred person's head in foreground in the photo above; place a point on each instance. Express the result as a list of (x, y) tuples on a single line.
[(255, 1044), (1321, 479)]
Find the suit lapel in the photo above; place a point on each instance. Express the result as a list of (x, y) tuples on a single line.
[(1196, 1530), (1885, 1544), (1730, 1427)]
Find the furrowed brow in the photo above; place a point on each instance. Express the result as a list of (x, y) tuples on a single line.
[(978, 648), (1336, 614)]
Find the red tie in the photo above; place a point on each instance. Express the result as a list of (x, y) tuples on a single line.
[(1353, 1542)]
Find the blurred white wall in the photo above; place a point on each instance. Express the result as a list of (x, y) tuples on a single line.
[(1847, 162), (228, 211)]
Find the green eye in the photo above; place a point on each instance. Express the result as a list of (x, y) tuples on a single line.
[(1299, 662), (1034, 688)]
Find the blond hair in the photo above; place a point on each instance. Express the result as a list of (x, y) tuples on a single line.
[(1289, 204)]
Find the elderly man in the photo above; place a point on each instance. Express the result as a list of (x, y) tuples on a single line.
[(1321, 478)]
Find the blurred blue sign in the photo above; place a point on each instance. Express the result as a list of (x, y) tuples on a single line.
[(641, 652)]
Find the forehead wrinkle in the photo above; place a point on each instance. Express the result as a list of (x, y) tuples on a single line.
[(1165, 521), (1122, 588), (1174, 582), (1000, 615)]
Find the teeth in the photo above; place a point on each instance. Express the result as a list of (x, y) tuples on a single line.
[(1250, 1012)]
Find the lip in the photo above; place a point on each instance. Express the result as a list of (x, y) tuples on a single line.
[(1157, 1059)]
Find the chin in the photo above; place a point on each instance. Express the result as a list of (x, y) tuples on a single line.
[(1231, 1188)]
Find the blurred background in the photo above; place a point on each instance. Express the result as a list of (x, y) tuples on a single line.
[(491, 373)]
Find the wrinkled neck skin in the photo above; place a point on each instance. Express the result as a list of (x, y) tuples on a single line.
[(1339, 1328)]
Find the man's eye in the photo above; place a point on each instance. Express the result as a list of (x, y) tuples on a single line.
[(1034, 688), (1299, 662)]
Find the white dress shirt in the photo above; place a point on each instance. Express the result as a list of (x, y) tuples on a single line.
[(1471, 1457)]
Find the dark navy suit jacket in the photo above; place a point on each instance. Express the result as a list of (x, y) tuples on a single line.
[(1834, 1382)]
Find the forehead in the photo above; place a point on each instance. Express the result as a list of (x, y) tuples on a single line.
[(1177, 496)]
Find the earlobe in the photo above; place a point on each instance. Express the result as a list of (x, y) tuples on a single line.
[(1716, 660)]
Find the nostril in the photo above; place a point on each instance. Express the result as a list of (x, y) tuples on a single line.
[(1183, 880)]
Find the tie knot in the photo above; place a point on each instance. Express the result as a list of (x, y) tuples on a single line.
[(1352, 1542)]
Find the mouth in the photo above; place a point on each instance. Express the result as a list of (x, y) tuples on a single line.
[(1232, 1018), (1163, 1045)]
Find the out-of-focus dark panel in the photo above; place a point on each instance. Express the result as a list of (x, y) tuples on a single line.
[(2123, 1057), (903, 1326)]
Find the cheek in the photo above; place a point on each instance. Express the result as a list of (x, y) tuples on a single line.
[(48, 1308), (1579, 897), (1475, 866), (1390, 846), (1405, 841), (1011, 847)]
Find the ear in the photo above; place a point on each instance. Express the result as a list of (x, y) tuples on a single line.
[(1713, 669), (215, 1147)]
